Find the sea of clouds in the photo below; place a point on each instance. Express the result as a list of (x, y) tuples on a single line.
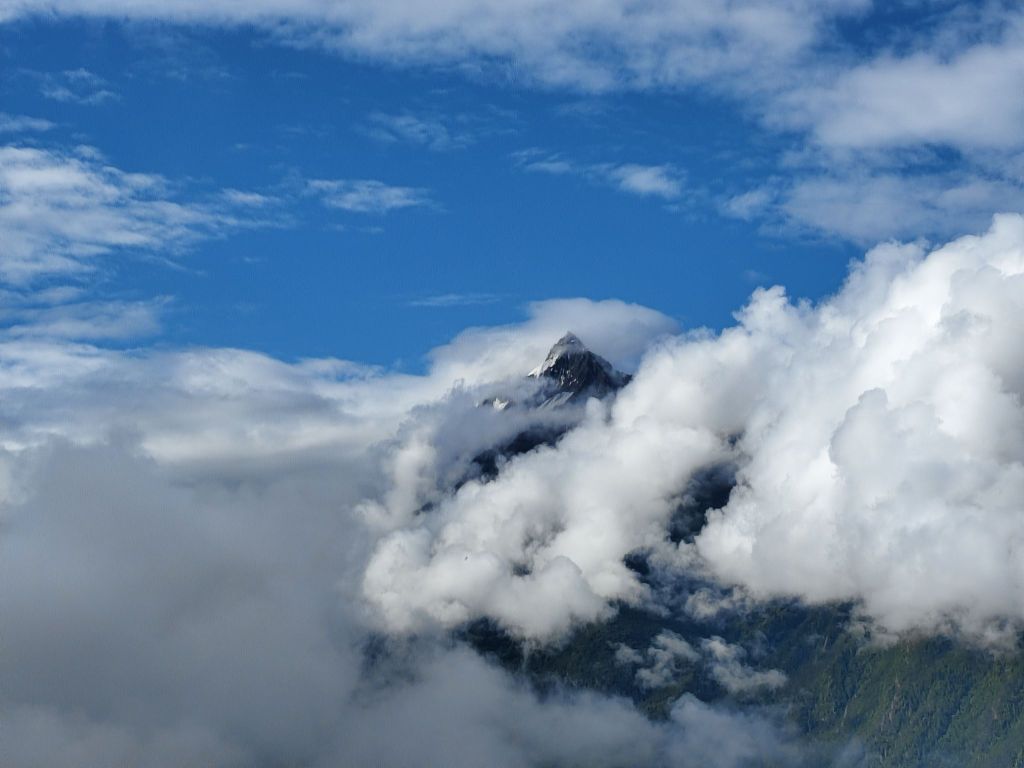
[(198, 547), (878, 436)]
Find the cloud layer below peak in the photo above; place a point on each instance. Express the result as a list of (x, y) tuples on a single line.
[(260, 522)]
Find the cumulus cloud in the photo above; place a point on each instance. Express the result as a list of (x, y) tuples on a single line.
[(666, 653), (198, 545), (877, 440), (876, 436), (182, 550), (884, 453), (732, 673), (543, 544)]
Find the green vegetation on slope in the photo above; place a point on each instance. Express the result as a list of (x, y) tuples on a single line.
[(914, 704)]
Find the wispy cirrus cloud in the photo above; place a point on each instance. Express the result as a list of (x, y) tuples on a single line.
[(24, 124), (663, 181), (40, 315), (248, 199), (431, 131), (61, 211), (367, 195), (442, 300), (949, 83), (76, 86), (591, 46)]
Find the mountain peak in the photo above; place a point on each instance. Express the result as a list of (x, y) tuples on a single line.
[(574, 372), (569, 344), (569, 341)]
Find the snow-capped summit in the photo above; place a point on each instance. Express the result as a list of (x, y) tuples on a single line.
[(569, 344), (576, 373), (569, 375)]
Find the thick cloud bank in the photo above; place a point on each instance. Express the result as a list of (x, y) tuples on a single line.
[(882, 456), (198, 548), (181, 557), (879, 438)]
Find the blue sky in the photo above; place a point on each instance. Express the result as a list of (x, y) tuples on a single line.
[(364, 181)]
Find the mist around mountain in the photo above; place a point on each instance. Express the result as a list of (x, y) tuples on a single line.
[(314, 452), (847, 695), (903, 669), (795, 542)]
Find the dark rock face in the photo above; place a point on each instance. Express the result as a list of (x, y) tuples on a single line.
[(569, 375), (573, 373), (488, 462)]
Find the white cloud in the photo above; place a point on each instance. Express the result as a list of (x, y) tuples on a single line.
[(729, 670), (455, 300), (884, 458), (542, 546), (77, 86), (919, 138), (662, 181), (592, 45), (431, 132), (60, 212), (871, 208), (661, 664), (647, 180), (891, 411), (879, 458), (367, 195), (202, 504), (749, 205), (242, 197), (23, 123), (667, 652), (866, 207), (968, 100), (85, 320), (252, 517), (952, 84)]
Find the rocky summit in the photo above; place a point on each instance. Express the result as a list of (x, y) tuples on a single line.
[(571, 372)]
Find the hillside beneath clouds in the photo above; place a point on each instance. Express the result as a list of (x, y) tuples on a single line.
[(856, 698)]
